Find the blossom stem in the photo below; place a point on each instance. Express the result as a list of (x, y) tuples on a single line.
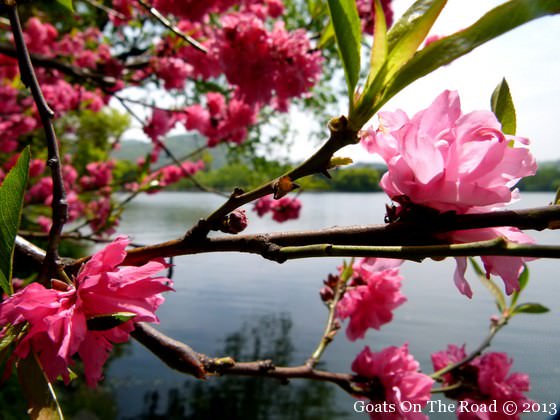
[(494, 328), (330, 328), (50, 265)]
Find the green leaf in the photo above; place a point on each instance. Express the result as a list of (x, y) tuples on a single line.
[(490, 285), (40, 395), (11, 202), (502, 106), (106, 322), (327, 36), (523, 281), (67, 4), (348, 32), (493, 24), (392, 50), (530, 308)]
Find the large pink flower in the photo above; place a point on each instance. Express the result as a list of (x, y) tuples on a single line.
[(448, 161), (373, 294), (485, 380), (392, 375), (58, 319)]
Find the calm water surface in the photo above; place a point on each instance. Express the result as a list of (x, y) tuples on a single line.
[(248, 307)]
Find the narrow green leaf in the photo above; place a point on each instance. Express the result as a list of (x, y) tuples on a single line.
[(40, 395), (493, 24), (490, 285), (530, 308), (523, 281), (11, 202), (348, 34), (392, 50), (106, 322), (410, 32), (377, 64), (67, 4), (327, 36), (502, 106)]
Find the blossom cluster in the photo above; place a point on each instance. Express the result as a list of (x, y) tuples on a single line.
[(283, 209), (448, 161), (483, 381), (59, 320)]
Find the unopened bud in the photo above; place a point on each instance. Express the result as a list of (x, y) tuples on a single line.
[(326, 293), (235, 222)]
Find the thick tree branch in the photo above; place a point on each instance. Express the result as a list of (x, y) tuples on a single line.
[(410, 233), (50, 265)]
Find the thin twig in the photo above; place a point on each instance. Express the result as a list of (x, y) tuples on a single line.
[(50, 266), (106, 9), (173, 28)]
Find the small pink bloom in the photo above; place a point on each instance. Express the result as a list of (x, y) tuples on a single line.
[(235, 222), (160, 124), (366, 11), (58, 318), (373, 294), (262, 205), (392, 375), (285, 209), (485, 380)]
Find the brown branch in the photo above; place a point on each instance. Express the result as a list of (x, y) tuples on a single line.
[(72, 71), (50, 265), (182, 358), (165, 22), (340, 135), (417, 233)]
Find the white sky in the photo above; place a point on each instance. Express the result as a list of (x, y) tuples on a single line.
[(528, 57)]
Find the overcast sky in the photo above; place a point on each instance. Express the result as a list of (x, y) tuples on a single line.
[(528, 57)]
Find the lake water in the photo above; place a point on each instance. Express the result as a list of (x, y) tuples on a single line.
[(245, 306)]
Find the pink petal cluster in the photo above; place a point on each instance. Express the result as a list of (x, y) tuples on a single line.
[(160, 124), (194, 10), (172, 173), (221, 121), (57, 319), (366, 11), (283, 209), (173, 71), (392, 375), (262, 63), (450, 161), (485, 380), (99, 175), (373, 293)]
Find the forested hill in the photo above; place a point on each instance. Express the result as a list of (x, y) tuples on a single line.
[(358, 177)]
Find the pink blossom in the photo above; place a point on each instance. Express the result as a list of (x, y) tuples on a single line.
[(235, 222), (173, 71), (58, 318), (373, 294), (36, 167), (99, 216), (392, 375), (40, 37), (366, 12), (508, 268), (221, 121), (484, 380), (285, 209), (99, 175), (194, 10), (262, 63), (448, 161), (262, 205), (160, 124)]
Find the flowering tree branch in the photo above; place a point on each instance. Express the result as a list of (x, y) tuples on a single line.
[(59, 204), (80, 73), (402, 233), (165, 22)]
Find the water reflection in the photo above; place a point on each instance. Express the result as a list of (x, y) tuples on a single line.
[(232, 397)]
